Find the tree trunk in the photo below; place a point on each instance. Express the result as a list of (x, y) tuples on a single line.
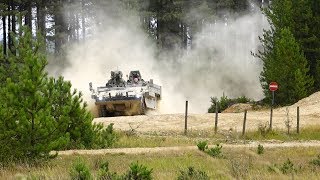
[(12, 26), (4, 33), (9, 24), (60, 28), (77, 28), (28, 17), (41, 18), (20, 9), (83, 22)]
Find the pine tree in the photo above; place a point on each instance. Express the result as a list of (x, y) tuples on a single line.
[(286, 64), (314, 43), (38, 114), (301, 17)]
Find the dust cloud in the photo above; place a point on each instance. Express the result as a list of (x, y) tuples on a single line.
[(219, 61)]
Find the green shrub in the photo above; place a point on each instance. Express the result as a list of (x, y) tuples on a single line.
[(215, 151), (138, 172), (104, 137), (287, 167), (260, 149), (80, 170), (202, 145), (316, 161), (242, 99), (225, 102), (193, 174), (105, 174)]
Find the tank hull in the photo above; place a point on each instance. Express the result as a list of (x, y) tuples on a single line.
[(121, 107)]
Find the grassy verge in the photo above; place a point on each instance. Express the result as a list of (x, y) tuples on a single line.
[(153, 140), (240, 163), (308, 133)]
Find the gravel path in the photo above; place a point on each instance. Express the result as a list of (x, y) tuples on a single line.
[(252, 144)]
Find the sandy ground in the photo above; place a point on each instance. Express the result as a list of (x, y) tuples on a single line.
[(162, 123), (168, 123)]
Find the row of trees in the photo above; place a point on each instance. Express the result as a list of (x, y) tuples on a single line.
[(291, 49), (171, 23), (43, 16)]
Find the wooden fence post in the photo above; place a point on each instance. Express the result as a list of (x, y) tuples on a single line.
[(216, 119), (186, 119), (271, 113), (244, 123), (298, 120)]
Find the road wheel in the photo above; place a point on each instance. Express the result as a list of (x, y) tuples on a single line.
[(143, 108), (103, 111)]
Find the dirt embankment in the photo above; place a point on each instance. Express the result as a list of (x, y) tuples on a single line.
[(309, 116), (168, 123)]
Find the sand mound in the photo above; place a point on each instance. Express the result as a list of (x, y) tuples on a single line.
[(311, 100), (237, 108), (174, 123)]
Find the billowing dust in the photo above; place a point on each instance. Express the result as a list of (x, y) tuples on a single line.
[(219, 61)]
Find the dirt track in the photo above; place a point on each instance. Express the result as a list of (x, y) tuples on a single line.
[(188, 148)]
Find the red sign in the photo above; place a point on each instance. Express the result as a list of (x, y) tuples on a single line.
[(273, 86)]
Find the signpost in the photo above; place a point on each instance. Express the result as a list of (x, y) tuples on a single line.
[(273, 86)]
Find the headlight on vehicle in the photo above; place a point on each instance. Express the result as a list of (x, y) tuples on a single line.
[(100, 98)]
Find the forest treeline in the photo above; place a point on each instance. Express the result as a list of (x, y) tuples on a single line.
[(168, 22)]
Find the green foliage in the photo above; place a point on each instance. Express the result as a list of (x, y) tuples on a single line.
[(202, 145), (260, 149), (38, 113), (80, 171), (28, 128), (287, 50), (138, 172), (69, 109), (104, 137), (316, 161), (192, 174), (286, 65), (105, 174), (226, 102), (215, 151), (287, 167)]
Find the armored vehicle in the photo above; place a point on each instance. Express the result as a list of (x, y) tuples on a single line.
[(126, 98)]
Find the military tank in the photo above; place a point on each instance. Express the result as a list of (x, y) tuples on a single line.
[(126, 98)]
